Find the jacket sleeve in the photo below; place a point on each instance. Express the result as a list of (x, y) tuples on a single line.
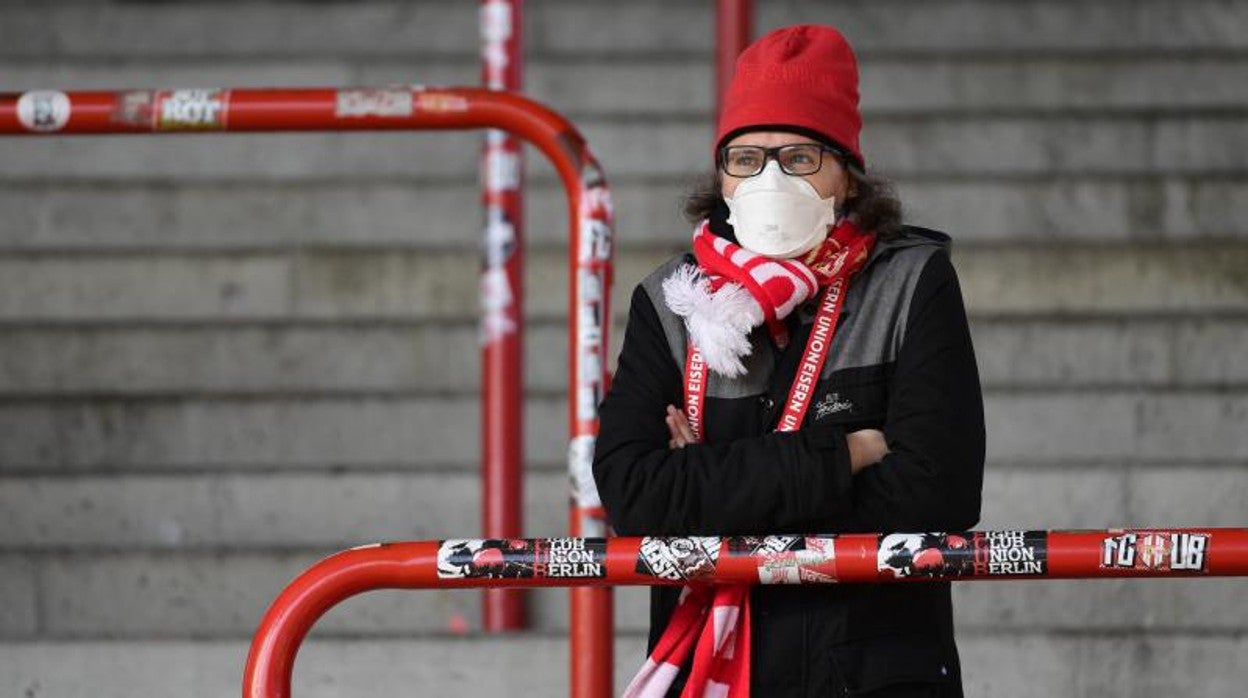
[(934, 427), (779, 482)]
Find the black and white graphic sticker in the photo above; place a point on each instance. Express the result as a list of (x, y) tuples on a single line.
[(978, 553), (43, 111), (678, 559), (473, 558)]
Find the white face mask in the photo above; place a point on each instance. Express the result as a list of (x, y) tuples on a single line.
[(778, 215)]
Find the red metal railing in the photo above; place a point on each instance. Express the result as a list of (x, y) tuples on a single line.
[(585, 562), (198, 111), (502, 303), (734, 29)]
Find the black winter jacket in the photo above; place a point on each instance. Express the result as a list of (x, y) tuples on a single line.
[(901, 361)]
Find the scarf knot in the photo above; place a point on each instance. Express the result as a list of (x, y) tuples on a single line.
[(732, 290)]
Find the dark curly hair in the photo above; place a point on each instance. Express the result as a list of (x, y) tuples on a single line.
[(873, 207)]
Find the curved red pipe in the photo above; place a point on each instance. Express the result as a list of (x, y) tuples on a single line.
[(852, 558), (591, 220)]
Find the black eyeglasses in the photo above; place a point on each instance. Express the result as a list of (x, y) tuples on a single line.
[(794, 159)]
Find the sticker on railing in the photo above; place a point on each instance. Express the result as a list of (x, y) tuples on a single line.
[(581, 470), (133, 108), (381, 102), (472, 558), (440, 102), (1156, 550), (678, 559), (516, 558), (191, 110), (44, 111), (979, 553), (572, 558), (788, 559)]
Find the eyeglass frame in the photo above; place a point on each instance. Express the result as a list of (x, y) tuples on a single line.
[(773, 154)]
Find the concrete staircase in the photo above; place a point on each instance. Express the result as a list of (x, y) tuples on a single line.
[(224, 357)]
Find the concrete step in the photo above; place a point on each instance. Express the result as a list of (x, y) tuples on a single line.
[(104, 216), (188, 595), (433, 28), (1029, 665), (1052, 353), (330, 511), (668, 85), (346, 284), (386, 358), (950, 145), (172, 434), (516, 665)]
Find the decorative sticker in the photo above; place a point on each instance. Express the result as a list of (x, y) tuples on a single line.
[(677, 559), (489, 558), (498, 300), (43, 111), (190, 110), (572, 558), (978, 553), (395, 102), (581, 470), (440, 102), (522, 558), (134, 108), (789, 559), (1156, 550)]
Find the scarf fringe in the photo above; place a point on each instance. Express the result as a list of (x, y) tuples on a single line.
[(719, 322)]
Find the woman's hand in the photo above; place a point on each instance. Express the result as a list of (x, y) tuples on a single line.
[(866, 447), (682, 434)]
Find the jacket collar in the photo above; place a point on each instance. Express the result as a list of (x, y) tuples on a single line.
[(908, 236)]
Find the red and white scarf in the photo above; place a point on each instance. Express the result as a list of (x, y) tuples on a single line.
[(732, 290), (713, 622)]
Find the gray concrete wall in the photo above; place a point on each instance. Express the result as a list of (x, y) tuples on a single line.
[(223, 357)]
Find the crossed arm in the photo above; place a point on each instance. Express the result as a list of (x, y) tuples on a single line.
[(866, 446)]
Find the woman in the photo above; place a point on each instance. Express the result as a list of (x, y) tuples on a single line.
[(808, 368)]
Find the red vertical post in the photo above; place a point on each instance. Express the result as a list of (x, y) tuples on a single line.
[(734, 28), (502, 295), (592, 621)]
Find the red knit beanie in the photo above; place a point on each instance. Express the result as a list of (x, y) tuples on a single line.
[(804, 77)]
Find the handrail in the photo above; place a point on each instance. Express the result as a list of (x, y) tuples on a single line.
[(591, 222), (776, 559)]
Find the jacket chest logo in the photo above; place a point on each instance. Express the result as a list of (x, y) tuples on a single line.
[(831, 404)]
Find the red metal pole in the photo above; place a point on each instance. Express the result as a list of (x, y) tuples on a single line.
[(502, 308), (734, 29), (592, 633), (787, 559)]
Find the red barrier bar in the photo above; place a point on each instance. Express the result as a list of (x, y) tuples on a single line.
[(850, 558), (502, 303), (734, 29), (591, 220)]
